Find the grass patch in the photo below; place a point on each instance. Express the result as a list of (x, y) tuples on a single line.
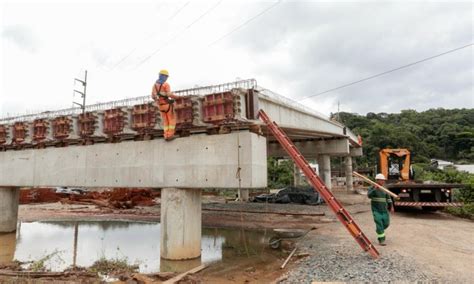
[(107, 266), (467, 211), (40, 265)]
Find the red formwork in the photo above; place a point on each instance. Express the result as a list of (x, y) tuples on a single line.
[(144, 118), (20, 130), (114, 121), (184, 111), (87, 123), (40, 129), (62, 126), (218, 107), (3, 134)]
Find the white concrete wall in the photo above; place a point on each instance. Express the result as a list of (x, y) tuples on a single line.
[(198, 161)]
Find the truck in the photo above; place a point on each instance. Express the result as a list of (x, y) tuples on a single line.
[(395, 165)]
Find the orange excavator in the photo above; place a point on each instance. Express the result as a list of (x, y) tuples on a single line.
[(395, 164)]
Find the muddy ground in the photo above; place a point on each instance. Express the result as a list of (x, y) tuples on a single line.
[(425, 246)]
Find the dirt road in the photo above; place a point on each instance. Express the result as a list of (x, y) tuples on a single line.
[(420, 246)]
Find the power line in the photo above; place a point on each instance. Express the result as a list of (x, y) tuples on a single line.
[(178, 11), (386, 72), (178, 34), (246, 22), (136, 47)]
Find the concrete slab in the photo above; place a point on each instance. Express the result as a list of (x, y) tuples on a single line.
[(198, 161)]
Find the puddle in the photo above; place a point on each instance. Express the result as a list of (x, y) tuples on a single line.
[(138, 243)]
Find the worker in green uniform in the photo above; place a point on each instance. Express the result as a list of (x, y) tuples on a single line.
[(381, 204)]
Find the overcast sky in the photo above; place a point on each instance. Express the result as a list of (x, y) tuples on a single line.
[(295, 48)]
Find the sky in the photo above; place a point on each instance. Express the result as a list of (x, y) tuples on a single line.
[(294, 48)]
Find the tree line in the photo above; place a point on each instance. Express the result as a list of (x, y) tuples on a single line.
[(446, 134)]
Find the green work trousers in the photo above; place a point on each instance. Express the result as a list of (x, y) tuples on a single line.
[(382, 221)]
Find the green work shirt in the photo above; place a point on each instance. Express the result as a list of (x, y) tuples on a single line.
[(380, 201)]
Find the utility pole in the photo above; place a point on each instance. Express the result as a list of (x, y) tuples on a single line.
[(83, 93)]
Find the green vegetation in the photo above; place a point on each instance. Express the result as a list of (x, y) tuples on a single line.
[(40, 265), (106, 266), (435, 133), (451, 175), (280, 173), (465, 194)]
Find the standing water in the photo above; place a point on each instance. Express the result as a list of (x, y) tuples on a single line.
[(62, 244)]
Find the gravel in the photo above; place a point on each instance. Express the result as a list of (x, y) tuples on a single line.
[(345, 262)]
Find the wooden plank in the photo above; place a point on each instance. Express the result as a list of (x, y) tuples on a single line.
[(366, 179), (288, 259), (182, 275)]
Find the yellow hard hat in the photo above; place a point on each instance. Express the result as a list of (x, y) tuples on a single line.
[(164, 72)]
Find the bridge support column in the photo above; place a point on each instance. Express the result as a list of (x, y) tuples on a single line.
[(9, 200), (180, 223), (244, 194), (324, 162), (349, 179)]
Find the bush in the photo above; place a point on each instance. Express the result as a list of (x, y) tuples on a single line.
[(467, 211), (466, 194)]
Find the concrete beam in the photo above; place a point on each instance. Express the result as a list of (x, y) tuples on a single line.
[(180, 223), (198, 161), (289, 115), (356, 152), (336, 147), (9, 200)]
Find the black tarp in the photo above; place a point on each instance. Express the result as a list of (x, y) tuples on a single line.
[(291, 194)]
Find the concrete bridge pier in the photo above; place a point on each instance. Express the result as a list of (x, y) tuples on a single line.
[(324, 162), (243, 194), (349, 179), (180, 223), (9, 200)]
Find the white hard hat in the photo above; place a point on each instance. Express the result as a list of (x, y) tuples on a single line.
[(380, 176)]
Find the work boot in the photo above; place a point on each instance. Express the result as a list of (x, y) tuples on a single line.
[(382, 243), (170, 138)]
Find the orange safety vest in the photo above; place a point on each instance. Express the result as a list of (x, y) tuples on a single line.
[(163, 102)]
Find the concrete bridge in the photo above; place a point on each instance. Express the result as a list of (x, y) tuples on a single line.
[(118, 144)]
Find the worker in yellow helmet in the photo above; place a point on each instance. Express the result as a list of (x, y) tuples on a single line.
[(164, 98)]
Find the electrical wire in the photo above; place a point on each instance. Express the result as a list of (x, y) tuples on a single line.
[(178, 11), (178, 34), (245, 23), (386, 72), (136, 47)]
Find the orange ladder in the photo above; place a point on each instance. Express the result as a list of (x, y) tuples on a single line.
[(341, 213)]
